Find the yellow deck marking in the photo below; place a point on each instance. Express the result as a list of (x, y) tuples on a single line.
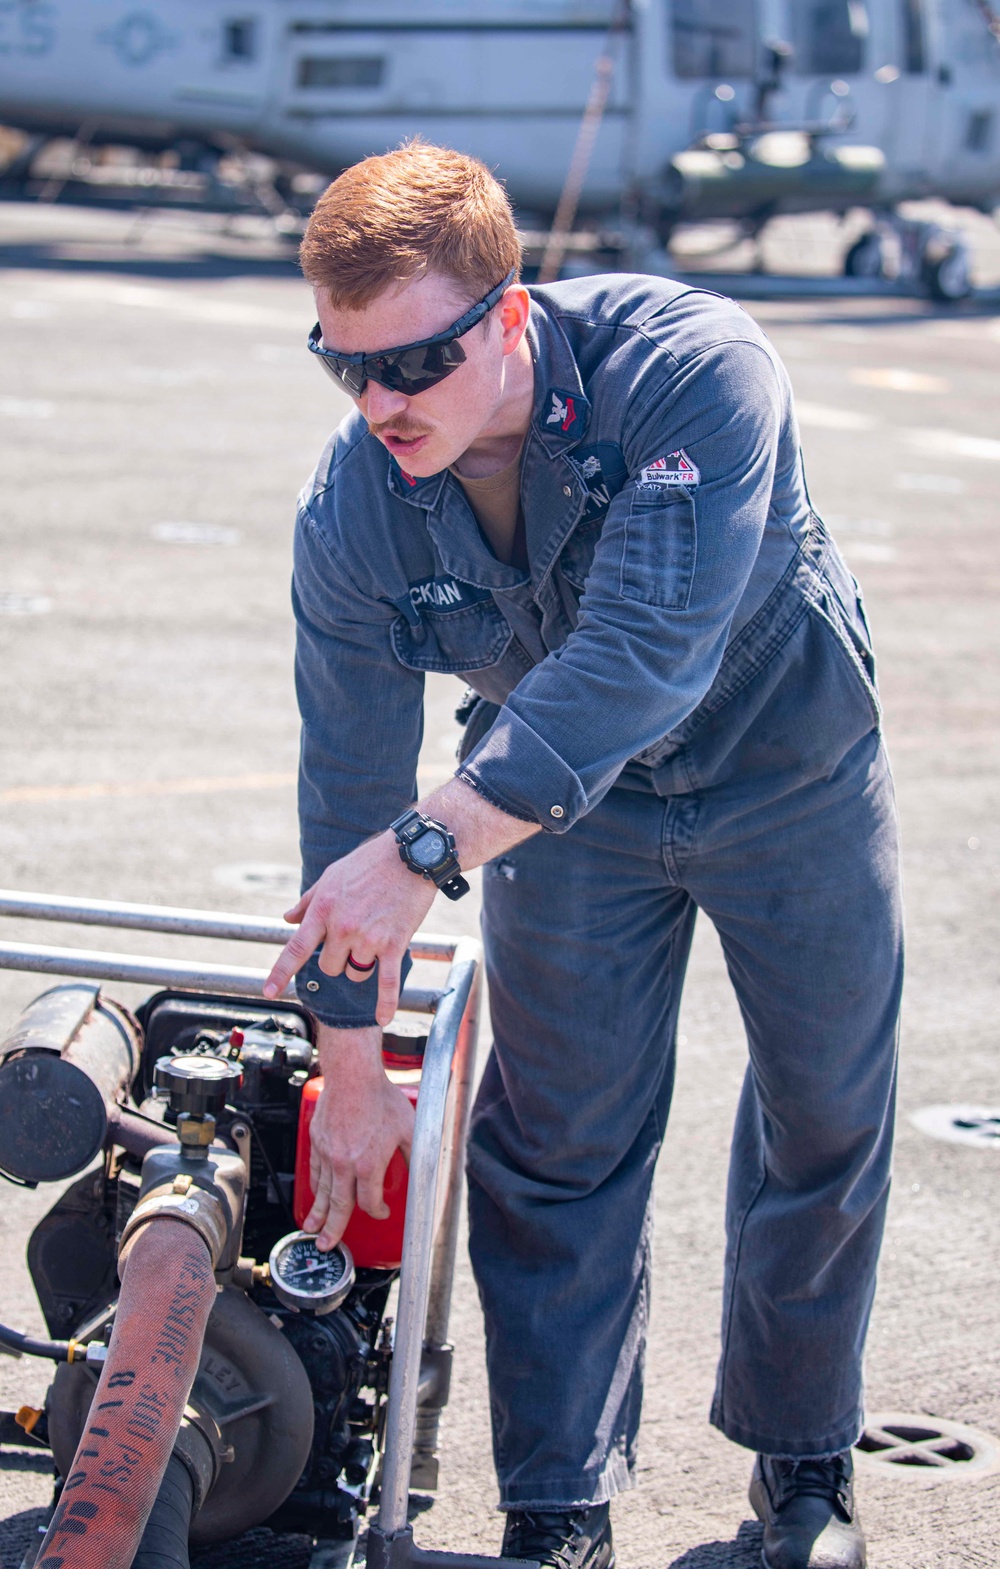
[(895, 379), (206, 786)]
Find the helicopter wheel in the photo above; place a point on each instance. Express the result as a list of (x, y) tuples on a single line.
[(866, 257), (948, 277)]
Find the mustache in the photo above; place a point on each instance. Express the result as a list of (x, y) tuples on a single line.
[(405, 428)]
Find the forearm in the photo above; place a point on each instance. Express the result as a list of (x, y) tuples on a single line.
[(482, 831), (356, 1053), (360, 1120)]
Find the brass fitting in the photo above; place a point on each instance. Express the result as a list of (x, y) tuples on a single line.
[(196, 1134)]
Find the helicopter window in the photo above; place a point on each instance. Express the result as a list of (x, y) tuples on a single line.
[(341, 70), (829, 36), (979, 130), (238, 40), (914, 53), (714, 37)]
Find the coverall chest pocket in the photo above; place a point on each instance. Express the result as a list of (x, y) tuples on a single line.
[(452, 641), (658, 557)]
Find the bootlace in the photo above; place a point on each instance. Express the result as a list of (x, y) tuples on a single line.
[(546, 1538), (829, 1479)]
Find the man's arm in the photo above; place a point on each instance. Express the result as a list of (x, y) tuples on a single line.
[(670, 567), (370, 904)]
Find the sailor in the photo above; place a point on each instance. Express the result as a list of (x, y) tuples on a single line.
[(587, 501)]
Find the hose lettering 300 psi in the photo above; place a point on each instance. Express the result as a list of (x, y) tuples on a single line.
[(166, 1297)]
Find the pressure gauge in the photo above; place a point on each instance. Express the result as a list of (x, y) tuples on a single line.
[(305, 1279)]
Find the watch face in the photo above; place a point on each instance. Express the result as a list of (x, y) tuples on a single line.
[(429, 850)]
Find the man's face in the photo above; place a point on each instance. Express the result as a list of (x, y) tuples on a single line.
[(429, 431)]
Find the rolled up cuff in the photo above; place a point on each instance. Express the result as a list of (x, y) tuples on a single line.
[(338, 1002), (515, 770)]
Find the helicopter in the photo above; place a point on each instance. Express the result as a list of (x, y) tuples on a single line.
[(692, 110)]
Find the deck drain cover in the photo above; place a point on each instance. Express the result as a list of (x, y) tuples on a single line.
[(977, 1125), (922, 1448)]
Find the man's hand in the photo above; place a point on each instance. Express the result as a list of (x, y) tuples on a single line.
[(359, 1122), (368, 904)]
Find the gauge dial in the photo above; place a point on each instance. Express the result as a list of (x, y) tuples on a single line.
[(304, 1278)]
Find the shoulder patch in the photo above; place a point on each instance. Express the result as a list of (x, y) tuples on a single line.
[(602, 467), (675, 469)]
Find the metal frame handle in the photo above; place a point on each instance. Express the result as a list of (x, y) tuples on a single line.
[(243, 980)]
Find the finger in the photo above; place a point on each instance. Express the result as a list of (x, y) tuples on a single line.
[(363, 967), (299, 909), (389, 966), (333, 955), (339, 1213), (294, 955), (371, 1193), (319, 1181), (406, 1138)]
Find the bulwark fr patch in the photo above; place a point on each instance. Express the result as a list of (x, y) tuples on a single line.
[(675, 469)]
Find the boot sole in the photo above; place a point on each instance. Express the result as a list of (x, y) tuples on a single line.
[(765, 1562)]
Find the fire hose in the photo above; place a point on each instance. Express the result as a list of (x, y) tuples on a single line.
[(168, 1290), (140, 1470)]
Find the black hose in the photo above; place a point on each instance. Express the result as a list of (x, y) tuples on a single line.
[(164, 1542), (56, 1350)]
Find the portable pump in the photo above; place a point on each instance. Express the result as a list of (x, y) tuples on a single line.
[(198, 1109)]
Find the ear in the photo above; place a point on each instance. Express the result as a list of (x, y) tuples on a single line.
[(514, 308)]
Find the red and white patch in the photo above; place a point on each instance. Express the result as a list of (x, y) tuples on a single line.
[(675, 469)]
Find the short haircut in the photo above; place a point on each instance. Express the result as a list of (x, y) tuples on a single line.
[(394, 217)]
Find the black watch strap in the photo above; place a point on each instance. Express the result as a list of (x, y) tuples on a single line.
[(455, 887)]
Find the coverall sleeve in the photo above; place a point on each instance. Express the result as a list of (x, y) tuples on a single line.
[(668, 572), (362, 723)]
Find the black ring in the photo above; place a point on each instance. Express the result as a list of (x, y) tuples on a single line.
[(362, 969)]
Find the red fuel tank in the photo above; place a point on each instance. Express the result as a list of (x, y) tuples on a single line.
[(374, 1244)]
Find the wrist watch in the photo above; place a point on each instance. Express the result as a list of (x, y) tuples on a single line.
[(427, 848)]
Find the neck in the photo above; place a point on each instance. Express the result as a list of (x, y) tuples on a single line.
[(499, 442)]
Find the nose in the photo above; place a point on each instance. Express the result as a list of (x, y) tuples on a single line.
[(379, 405)]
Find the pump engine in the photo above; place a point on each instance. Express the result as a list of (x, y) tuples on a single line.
[(287, 1406)]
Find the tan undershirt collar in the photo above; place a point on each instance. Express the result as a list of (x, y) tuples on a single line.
[(496, 503)]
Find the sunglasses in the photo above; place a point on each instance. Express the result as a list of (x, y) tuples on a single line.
[(414, 367)]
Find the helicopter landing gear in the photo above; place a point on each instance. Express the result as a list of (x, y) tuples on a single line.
[(866, 257), (948, 276), (922, 256)]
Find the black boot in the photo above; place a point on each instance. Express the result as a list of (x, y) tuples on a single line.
[(807, 1507), (560, 1538)]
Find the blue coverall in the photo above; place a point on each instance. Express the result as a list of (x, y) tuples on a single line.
[(681, 691)]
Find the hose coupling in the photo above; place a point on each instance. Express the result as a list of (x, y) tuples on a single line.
[(202, 1448), (203, 1190)]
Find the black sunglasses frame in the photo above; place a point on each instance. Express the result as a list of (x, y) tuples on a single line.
[(437, 356)]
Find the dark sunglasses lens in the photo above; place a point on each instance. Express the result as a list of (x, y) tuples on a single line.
[(349, 378), (415, 370)]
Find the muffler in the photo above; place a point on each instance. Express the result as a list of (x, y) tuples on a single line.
[(64, 1068)]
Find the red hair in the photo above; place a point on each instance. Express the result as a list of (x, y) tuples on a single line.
[(417, 209)]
